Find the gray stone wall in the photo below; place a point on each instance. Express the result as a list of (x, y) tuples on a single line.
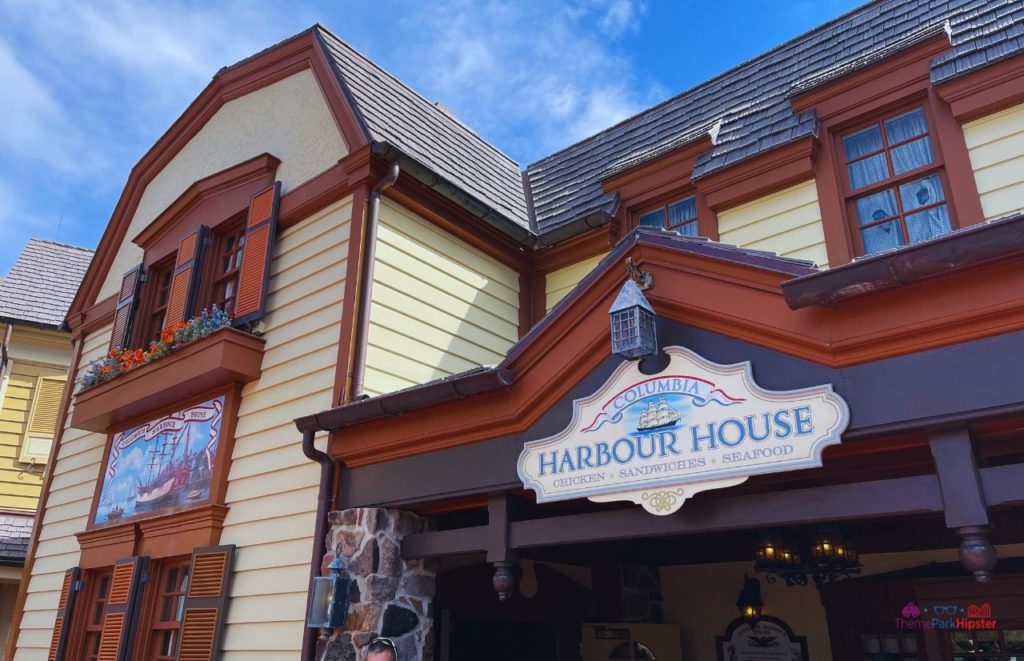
[(388, 596)]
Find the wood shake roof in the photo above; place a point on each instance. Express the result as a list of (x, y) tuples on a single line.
[(40, 286)]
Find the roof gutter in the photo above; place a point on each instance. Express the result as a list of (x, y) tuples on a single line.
[(447, 189), (324, 503), (366, 278), (582, 224), (473, 383)]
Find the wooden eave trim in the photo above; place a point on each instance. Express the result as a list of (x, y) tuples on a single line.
[(273, 65), (986, 91), (737, 301), (916, 58), (645, 169), (591, 243), (257, 168), (761, 175), (455, 221), (93, 318), (326, 188)]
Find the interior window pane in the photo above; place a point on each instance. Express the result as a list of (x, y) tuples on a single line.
[(861, 143), (653, 219), (1014, 639), (876, 206), (868, 171), (906, 126), (921, 192), (682, 211), (909, 643), (882, 237), (872, 644), (912, 155), (928, 224), (961, 641), (688, 229)]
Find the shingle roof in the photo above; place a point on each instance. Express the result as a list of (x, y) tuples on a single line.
[(395, 114), (15, 530), (752, 101), (42, 283)]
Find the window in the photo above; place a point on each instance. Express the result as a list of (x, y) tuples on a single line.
[(893, 646), (94, 607), (168, 609), (896, 189), (31, 405), (159, 290), (227, 262), (999, 645), (679, 216), (45, 414)]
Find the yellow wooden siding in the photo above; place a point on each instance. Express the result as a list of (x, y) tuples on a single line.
[(19, 489), (439, 305), (558, 284), (272, 487), (996, 147), (787, 223), (75, 470)]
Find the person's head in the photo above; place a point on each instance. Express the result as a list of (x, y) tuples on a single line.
[(381, 649)]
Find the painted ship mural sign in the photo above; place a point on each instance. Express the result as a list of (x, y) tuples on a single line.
[(163, 464), (658, 439)]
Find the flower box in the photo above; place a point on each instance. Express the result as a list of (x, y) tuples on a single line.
[(224, 357)]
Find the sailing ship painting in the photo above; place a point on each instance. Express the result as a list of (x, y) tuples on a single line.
[(657, 416), (163, 464)]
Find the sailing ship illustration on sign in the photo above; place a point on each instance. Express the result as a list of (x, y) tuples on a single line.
[(660, 416), (165, 463)]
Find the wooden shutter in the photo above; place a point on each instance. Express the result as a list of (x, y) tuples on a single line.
[(125, 312), (205, 603), (42, 424), (65, 609), (260, 233), (188, 269), (122, 604)]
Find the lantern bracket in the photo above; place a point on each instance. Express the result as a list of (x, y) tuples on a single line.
[(643, 279)]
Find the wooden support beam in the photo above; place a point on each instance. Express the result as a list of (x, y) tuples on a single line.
[(963, 496), (881, 498), (497, 529)]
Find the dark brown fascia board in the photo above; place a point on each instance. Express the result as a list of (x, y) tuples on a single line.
[(489, 379), (450, 191), (944, 255), (458, 386)]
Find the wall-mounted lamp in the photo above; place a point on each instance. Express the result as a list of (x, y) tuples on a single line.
[(633, 319), (749, 602), (329, 607)]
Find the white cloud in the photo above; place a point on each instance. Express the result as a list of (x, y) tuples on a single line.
[(531, 76), (33, 119), (622, 16)]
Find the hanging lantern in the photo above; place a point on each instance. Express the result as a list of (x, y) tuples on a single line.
[(749, 602), (632, 324)]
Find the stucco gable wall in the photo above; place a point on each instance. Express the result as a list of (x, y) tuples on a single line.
[(289, 119)]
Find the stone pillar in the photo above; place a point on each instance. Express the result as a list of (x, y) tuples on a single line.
[(388, 596)]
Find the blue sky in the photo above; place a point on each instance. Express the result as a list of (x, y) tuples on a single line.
[(89, 86)]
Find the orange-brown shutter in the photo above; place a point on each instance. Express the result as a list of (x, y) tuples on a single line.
[(126, 307), (65, 608), (260, 233), (205, 603), (188, 269), (119, 613)]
